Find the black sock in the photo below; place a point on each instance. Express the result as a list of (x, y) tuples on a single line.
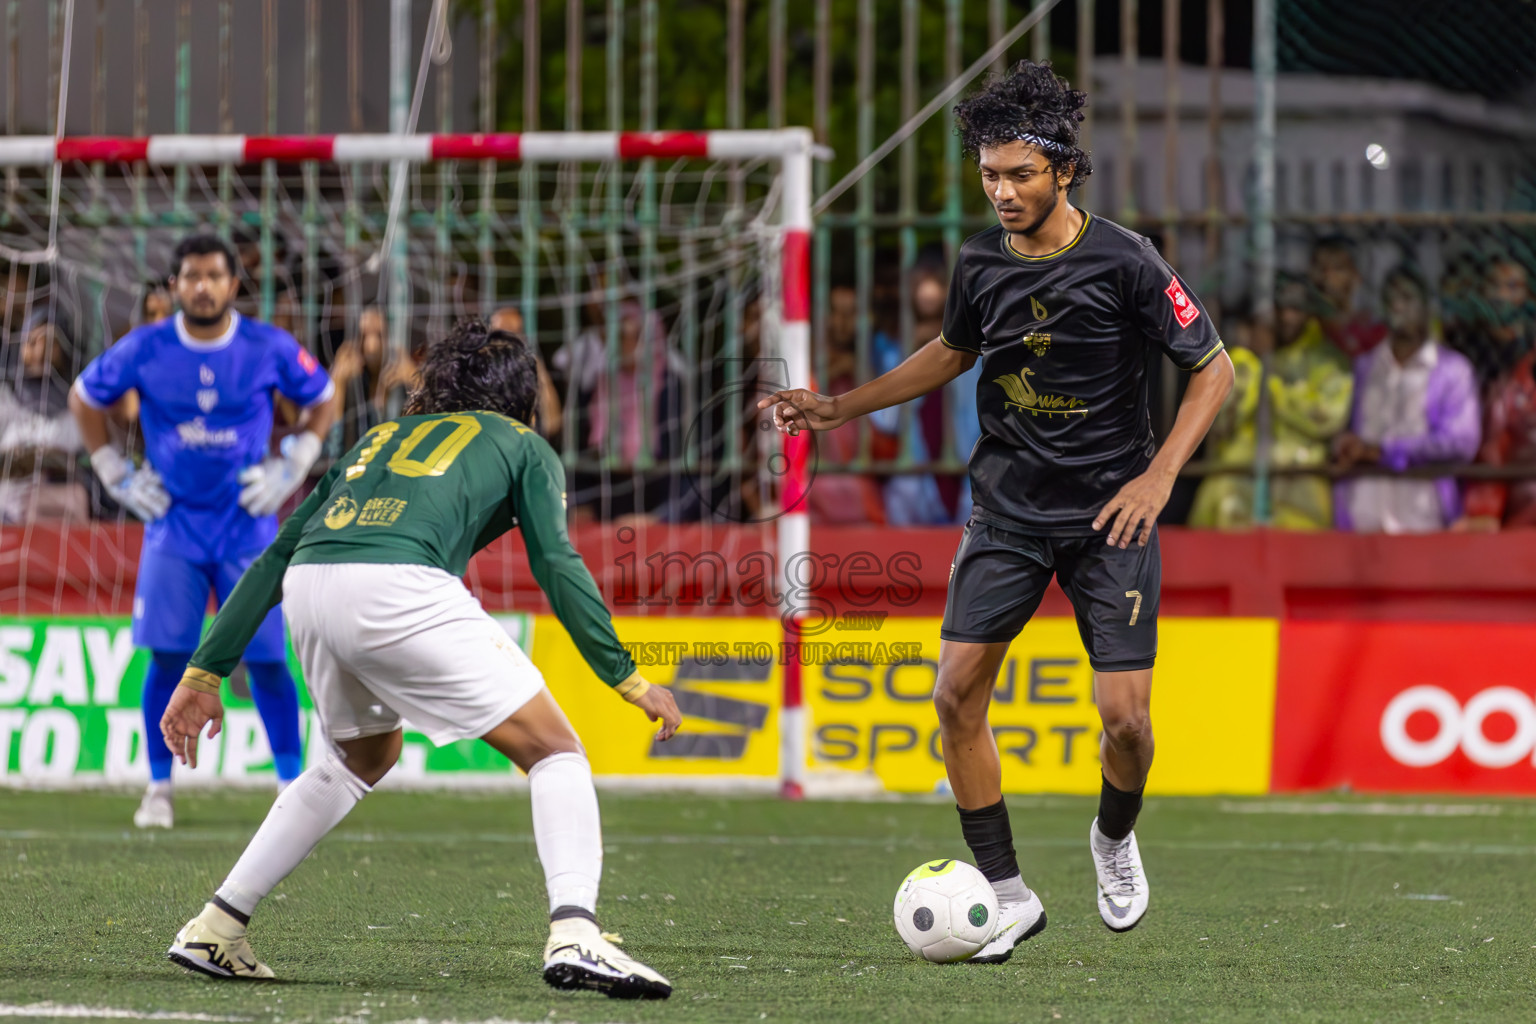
[(990, 838), (1118, 810), (238, 915), (561, 913)]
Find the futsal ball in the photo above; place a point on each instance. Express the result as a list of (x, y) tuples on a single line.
[(945, 911)]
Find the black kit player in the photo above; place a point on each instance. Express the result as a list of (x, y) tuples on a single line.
[(1066, 312)]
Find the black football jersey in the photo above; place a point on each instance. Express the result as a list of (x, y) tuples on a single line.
[(1066, 343)]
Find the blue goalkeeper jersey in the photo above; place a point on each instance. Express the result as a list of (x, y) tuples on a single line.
[(206, 415)]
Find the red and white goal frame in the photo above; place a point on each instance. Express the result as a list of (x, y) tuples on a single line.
[(791, 148)]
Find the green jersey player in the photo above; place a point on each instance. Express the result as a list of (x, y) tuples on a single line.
[(369, 570)]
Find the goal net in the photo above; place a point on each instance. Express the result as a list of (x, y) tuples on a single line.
[(649, 270)]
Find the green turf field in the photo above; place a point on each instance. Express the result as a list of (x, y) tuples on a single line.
[(429, 907)]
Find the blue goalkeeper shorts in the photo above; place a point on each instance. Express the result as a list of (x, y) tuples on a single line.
[(171, 600)]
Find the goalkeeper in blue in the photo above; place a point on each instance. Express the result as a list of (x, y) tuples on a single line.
[(209, 488)]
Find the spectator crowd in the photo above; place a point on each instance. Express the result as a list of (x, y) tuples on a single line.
[(1375, 402), (1370, 402)]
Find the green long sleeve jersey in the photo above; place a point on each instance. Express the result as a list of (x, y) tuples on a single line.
[(430, 490)]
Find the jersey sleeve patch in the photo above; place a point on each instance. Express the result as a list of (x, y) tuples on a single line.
[(1184, 311), (300, 377)]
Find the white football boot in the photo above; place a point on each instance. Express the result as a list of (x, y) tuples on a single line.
[(577, 955), (213, 943), (1017, 922), (1123, 889), (155, 809)]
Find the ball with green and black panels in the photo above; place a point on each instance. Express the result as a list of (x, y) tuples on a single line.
[(946, 911)]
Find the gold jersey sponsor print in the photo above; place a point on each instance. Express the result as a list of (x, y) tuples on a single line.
[(1023, 396), (342, 511)]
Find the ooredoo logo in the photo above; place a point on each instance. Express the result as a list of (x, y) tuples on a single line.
[(1410, 707), (1459, 727)]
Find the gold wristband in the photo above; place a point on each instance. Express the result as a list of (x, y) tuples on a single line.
[(201, 681), (633, 688)]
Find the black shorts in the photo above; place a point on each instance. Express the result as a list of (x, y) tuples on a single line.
[(999, 577)]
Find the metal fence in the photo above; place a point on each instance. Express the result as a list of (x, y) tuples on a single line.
[(1423, 160)]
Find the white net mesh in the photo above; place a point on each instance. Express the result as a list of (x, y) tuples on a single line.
[(650, 290)]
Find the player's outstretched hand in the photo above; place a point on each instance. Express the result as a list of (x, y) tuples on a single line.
[(657, 703), (797, 409), (184, 719), (1131, 514)]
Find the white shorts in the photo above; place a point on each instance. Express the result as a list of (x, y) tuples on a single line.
[(382, 643)]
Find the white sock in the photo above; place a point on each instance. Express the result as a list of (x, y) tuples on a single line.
[(1011, 890), (1103, 843), (567, 830), (303, 813)]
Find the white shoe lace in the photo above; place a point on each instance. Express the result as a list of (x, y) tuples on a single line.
[(1121, 869)]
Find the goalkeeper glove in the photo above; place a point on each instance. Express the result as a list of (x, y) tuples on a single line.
[(140, 490), (268, 484)]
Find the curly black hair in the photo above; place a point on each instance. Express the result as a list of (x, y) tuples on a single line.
[(476, 367), (1029, 99), (204, 243)]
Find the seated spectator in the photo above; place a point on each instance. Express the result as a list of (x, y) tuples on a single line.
[(1500, 321), (730, 475), (579, 365), (842, 497), (1309, 392), (1509, 438), (633, 410), (1336, 278), (642, 397), (510, 319), (1461, 285), (364, 374), (156, 303), (39, 442), (1415, 404), (912, 499)]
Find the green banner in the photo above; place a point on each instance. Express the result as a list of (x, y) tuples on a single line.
[(70, 712)]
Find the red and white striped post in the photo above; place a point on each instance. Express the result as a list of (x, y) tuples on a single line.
[(791, 146), (794, 534)]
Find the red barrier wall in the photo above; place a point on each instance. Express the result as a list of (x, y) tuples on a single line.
[(45, 569)]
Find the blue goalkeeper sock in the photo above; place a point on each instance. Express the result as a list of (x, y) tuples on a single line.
[(278, 703), (165, 671)]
